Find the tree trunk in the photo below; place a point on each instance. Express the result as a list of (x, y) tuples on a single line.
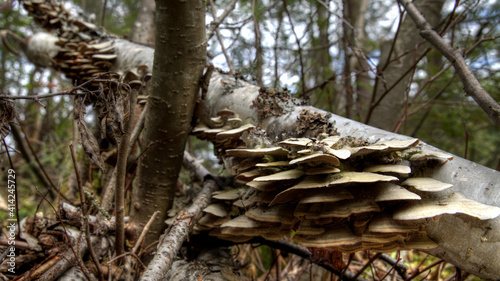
[(354, 12), (143, 31), (393, 65), (178, 64)]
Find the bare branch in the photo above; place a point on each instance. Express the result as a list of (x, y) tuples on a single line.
[(216, 22), (121, 172), (85, 221), (221, 42), (181, 228), (471, 85), (305, 254)]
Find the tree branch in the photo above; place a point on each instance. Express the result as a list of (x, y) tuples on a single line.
[(305, 254), (217, 21), (471, 85), (121, 173), (181, 228)]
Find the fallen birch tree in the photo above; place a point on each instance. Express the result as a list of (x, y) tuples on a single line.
[(456, 217)]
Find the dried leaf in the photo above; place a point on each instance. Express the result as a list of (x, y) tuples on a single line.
[(6, 117), (89, 142)]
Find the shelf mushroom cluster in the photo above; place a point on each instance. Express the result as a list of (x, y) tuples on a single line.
[(335, 193), (224, 131), (83, 50)]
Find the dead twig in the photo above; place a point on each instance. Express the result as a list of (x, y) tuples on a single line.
[(85, 213), (471, 85), (121, 172), (72, 253), (305, 254), (397, 264), (180, 230), (217, 21)]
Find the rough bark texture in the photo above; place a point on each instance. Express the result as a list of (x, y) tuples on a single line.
[(392, 104), (178, 65)]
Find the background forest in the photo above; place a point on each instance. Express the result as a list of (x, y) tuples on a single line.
[(360, 59)]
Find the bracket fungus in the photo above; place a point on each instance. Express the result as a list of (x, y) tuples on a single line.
[(427, 184), (337, 193), (456, 203)]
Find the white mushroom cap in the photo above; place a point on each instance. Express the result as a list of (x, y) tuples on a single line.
[(241, 222), (395, 169), (279, 213), (457, 203), (358, 177), (231, 194), (282, 176), (334, 237), (427, 184), (217, 210), (344, 209), (243, 152), (325, 195), (386, 191), (273, 164), (316, 159), (322, 170), (234, 132), (400, 144), (301, 142), (384, 223), (430, 154)]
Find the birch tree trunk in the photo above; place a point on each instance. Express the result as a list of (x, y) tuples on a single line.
[(178, 64)]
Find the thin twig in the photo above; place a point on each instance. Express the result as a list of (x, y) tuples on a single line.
[(78, 258), (397, 264), (40, 166), (301, 60), (144, 232), (217, 21), (305, 254), (221, 42), (121, 173), (139, 125), (18, 235), (368, 264), (85, 223), (471, 85), (70, 92), (418, 272)]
